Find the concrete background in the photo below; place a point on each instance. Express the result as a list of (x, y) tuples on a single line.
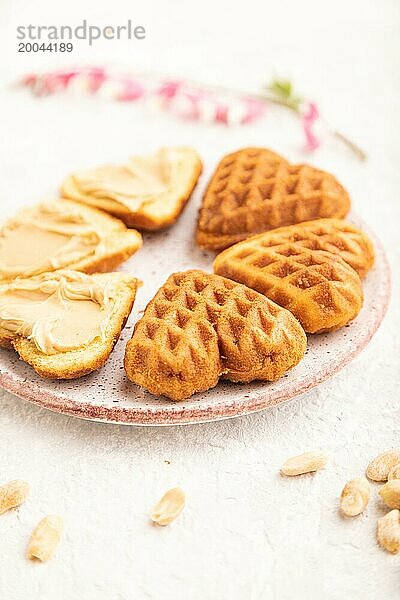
[(245, 533)]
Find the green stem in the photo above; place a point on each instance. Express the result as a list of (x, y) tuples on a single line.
[(269, 97)]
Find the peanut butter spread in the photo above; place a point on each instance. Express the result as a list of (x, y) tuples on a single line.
[(58, 312), (46, 237), (141, 180)]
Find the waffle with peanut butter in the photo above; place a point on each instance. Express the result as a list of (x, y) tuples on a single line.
[(56, 235), (147, 192), (254, 190), (200, 327), (65, 324), (292, 267)]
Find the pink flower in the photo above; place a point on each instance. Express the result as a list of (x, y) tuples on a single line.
[(310, 116), (168, 89), (221, 113), (131, 90), (95, 78), (253, 109)]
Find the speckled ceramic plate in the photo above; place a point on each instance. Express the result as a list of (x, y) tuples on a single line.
[(107, 395)]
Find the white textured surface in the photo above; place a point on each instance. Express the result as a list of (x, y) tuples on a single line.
[(245, 533)]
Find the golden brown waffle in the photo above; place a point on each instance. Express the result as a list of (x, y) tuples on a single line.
[(321, 290), (199, 327), (331, 235), (254, 190)]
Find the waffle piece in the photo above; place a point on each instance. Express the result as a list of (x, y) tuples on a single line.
[(321, 290), (56, 235), (147, 193), (255, 190), (199, 327), (331, 235), (115, 292)]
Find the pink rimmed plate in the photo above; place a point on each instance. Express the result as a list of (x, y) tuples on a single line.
[(107, 395)]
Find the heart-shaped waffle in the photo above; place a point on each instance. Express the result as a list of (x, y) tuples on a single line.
[(254, 190), (199, 327), (331, 235), (321, 290)]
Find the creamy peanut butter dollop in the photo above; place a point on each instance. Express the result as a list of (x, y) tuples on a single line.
[(46, 237), (140, 180), (146, 192), (58, 312)]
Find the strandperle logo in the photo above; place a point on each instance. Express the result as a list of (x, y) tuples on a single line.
[(84, 31)]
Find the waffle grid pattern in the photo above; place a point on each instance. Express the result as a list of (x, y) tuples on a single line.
[(318, 287), (329, 235), (200, 326), (254, 190), (193, 306)]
